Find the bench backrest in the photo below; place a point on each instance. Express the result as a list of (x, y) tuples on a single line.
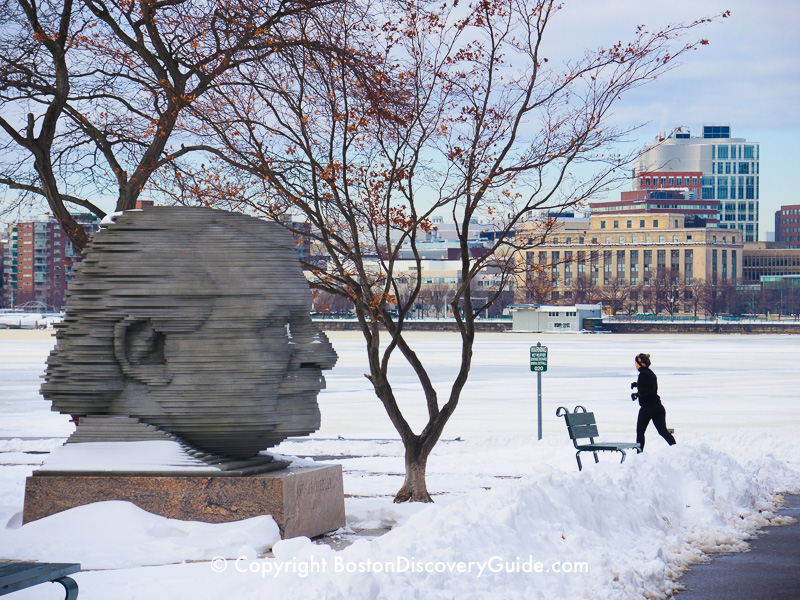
[(580, 424)]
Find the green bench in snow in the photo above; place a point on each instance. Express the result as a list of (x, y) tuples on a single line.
[(15, 576), (581, 425)]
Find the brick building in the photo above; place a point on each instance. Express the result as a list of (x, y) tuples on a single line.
[(38, 262), (787, 225)]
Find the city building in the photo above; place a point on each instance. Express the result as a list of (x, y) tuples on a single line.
[(715, 168), (787, 225), (38, 262), (769, 259), (620, 255), (698, 213)]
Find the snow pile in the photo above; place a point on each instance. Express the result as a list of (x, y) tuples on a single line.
[(113, 535), (625, 529), (612, 531)]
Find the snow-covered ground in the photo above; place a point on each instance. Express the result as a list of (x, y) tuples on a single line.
[(513, 517)]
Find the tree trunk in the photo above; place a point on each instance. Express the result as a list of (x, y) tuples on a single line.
[(414, 487)]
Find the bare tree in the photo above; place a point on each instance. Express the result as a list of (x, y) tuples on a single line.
[(94, 93), (715, 296), (537, 285), (584, 290), (438, 295), (328, 303), (693, 293), (673, 292), (470, 120), (616, 294)]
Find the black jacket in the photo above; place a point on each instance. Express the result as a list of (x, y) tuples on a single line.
[(648, 387)]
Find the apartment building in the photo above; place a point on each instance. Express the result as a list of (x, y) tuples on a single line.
[(38, 262)]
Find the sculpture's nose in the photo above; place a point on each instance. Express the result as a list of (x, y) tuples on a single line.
[(316, 352)]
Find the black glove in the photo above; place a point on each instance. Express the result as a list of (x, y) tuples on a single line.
[(634, 396), (634, 384)]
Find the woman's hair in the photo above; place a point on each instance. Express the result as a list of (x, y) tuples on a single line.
[(643, 359)]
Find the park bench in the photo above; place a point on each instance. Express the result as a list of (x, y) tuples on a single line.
[(581, 425), (15, 576)]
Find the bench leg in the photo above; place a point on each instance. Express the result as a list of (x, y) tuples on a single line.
[(578, 458), (623, 455), (596, 460), (70, 586)]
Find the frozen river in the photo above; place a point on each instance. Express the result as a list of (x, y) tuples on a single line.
[(734, 402)]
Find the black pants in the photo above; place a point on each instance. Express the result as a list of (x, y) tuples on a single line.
[(658, 415)]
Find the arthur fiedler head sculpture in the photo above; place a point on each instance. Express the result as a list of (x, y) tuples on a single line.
[(195, 321)]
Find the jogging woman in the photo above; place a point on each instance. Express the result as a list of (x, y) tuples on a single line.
[(650, 405)]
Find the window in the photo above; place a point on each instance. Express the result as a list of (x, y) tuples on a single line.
[(635, 239), (616, 224), (641, 223), (608, 239), (679, 180), (694, 180), (602, 224), (722, 152), (655, 223), (716, 131), (671, 181), (567, 268), (661, 261), (674, 239), (724, 265), (661, 239), (629, 224), (688, 265), (555, 259)]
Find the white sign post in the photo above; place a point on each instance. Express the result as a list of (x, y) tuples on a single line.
[(539, 364)]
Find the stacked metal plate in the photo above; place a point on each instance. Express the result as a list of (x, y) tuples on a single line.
[(195, 321)]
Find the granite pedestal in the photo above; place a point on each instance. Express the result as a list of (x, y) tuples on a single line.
[(304, 501)]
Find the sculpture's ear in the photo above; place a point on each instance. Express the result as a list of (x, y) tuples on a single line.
[(139, 349)]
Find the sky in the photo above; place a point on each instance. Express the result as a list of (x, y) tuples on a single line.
[(748, 76)]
